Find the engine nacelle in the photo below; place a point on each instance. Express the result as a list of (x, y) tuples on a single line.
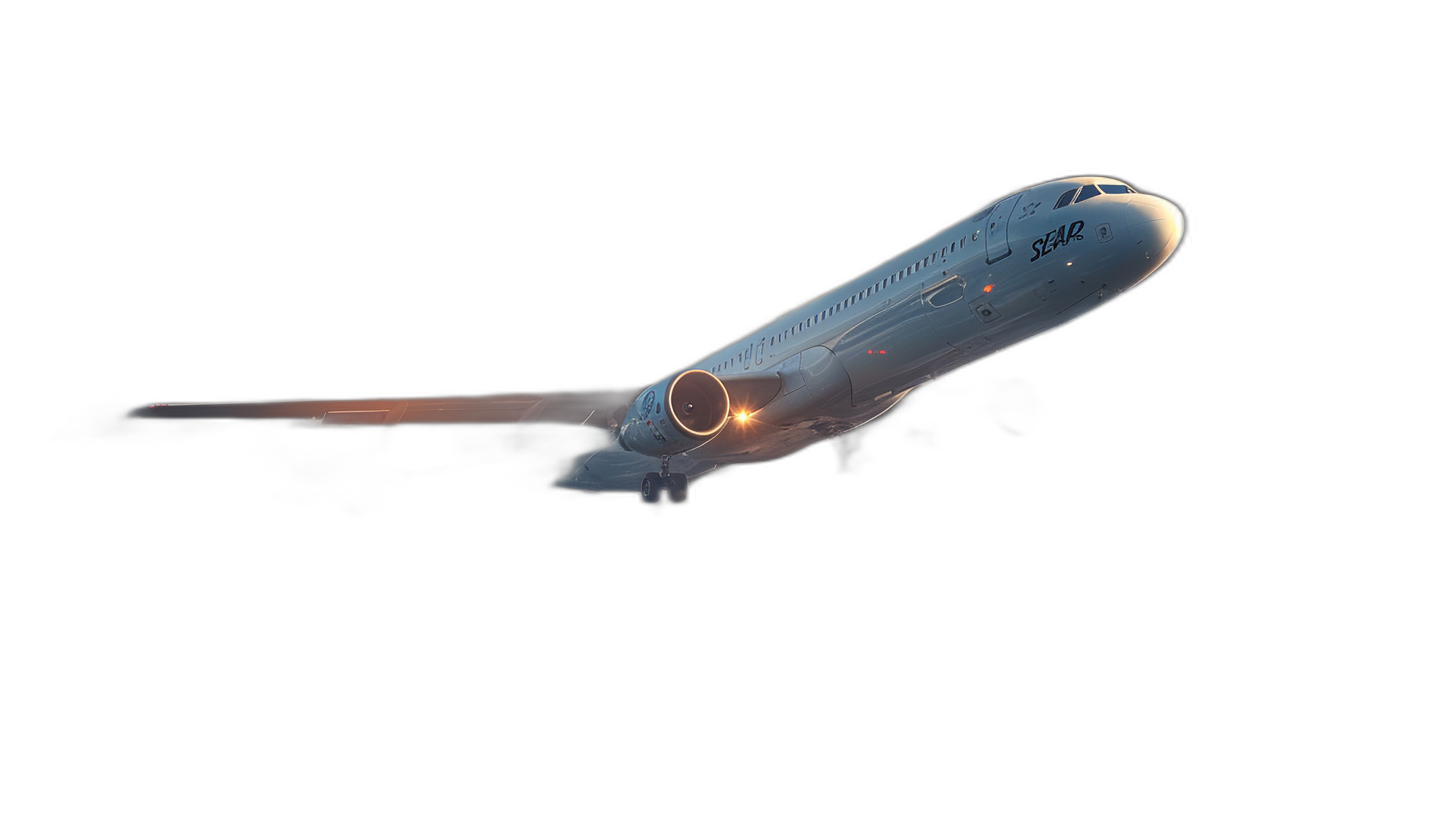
[(678, 414)]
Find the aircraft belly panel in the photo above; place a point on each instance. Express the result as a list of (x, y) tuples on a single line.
[(615, 469), (889, 350)]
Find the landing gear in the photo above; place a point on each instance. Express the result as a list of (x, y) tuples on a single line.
[(676, 483), (651, 488), (677, 487)]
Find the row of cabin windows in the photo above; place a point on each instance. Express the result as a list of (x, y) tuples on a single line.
[(810, 322)]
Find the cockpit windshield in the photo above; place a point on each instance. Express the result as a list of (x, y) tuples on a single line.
[(1087, 191)]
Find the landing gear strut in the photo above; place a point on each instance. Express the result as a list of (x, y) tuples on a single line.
[(677, 484)]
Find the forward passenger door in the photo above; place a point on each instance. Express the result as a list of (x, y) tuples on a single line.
[(997, 245)]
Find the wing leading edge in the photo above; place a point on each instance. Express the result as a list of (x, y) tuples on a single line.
[(600, 409)]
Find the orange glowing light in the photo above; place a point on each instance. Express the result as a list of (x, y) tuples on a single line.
[(989, 287), (742, 416)]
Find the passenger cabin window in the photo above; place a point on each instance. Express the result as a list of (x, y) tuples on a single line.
[(1065, 199), (1088, 192)]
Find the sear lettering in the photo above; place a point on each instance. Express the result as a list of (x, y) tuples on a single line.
[(1060, 236)]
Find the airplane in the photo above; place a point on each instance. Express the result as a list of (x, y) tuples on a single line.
[(1030, 261)]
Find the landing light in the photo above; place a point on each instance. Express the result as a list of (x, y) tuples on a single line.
[(742, 416)]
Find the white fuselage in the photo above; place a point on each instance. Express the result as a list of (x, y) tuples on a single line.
[(1029, 262), (1011, 271)]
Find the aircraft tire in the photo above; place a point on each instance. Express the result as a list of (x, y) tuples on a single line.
[(651, 488), (677, 487)]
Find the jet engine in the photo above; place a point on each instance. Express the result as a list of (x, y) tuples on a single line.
[(678, 414)]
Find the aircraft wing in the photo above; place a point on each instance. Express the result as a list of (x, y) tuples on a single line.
[(600, 409)]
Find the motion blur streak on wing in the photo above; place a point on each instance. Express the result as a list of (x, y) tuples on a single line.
[(595, 409)]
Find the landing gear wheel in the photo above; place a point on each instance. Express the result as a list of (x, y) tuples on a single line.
[(651, 488), (677, 487)]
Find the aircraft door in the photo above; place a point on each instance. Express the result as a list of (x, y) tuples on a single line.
[(758, 359), (997, 245)]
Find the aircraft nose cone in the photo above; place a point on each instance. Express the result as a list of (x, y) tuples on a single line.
[(1155, 226)]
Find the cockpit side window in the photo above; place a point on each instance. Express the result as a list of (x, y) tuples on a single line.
[(1065, 199), (1087, 192), (1115, 189)]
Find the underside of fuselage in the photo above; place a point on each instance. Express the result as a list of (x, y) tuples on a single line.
[(750, 439)]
